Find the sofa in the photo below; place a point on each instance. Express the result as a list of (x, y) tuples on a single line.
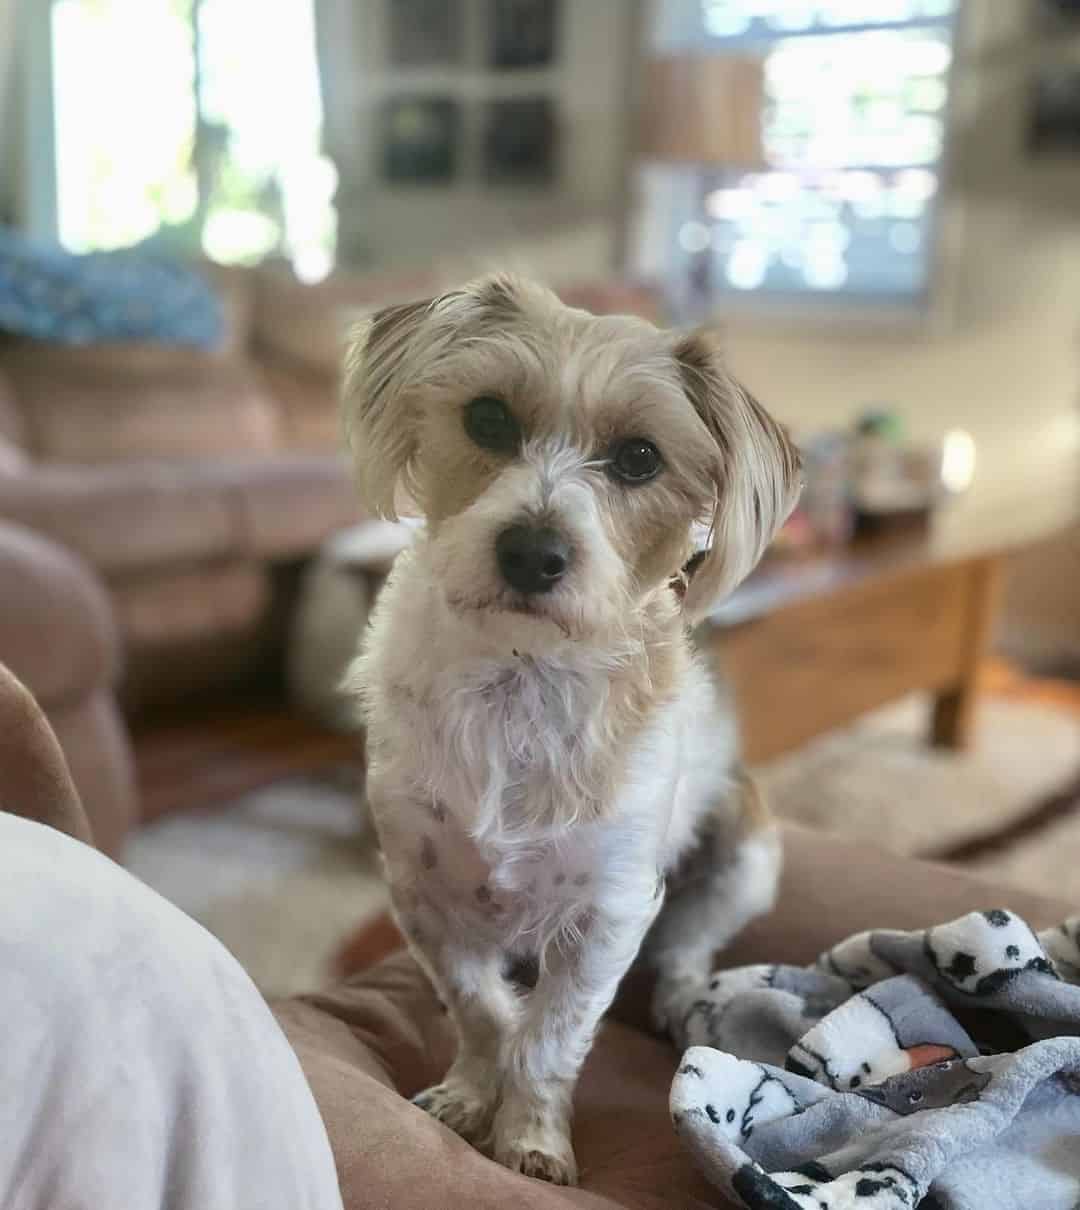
[(58, 635), (183, 478), (195, 483), (370, 1042)]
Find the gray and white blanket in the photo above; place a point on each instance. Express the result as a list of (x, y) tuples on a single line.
[(937, 1069)]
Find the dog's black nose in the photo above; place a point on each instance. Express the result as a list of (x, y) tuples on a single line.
[(532, 558)]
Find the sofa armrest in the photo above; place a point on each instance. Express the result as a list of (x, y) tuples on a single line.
[(56, 626), (35, 781), (57, 637)]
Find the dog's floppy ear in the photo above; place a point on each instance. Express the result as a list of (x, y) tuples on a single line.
[(380, 423), (393, 358), (756, 472)]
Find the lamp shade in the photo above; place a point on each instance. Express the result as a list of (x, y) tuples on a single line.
[(703, 110)]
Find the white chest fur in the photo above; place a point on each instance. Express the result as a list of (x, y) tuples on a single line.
[(490, 777)]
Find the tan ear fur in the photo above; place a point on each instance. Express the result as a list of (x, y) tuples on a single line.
[(393, 358), (757, 472), (380, 427)]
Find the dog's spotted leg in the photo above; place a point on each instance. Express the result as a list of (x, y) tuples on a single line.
[(483, 1008), (725, 882), (576, 985)]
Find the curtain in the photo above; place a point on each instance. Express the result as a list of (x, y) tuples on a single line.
[(337, 32)]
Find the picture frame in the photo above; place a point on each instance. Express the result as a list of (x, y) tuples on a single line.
[(524, 33), (520, 141), (1054, 16), (425, 33), (420, 139), (1054, 126)]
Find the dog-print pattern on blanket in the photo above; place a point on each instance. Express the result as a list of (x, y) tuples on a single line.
[(896, 1027), (853, 1085)]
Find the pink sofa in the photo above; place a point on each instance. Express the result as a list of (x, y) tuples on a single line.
[(58, 636)]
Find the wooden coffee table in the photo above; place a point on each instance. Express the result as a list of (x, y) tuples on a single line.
[(810, 643)]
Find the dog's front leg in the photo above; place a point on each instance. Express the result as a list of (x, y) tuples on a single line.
[(484, 1009), (541, 1065)]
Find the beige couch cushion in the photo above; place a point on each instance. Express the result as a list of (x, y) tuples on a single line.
[(308, 323), (284, 508), (114, 403), (309, 419), (139, 515), (235, 288), (188, 603), (193, 629)]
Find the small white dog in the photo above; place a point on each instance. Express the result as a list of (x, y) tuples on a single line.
[(545, 749)]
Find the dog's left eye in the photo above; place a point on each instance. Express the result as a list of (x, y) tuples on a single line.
[(635, 460), (491, 424)]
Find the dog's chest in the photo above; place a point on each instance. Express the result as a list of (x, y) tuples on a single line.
[(514, 749)]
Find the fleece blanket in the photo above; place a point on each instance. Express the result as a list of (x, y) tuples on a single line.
[(937, 1069)]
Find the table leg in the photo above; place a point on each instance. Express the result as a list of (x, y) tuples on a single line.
[(953, 717)]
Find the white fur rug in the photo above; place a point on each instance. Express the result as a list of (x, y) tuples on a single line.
[(287, 873), (880, 781)]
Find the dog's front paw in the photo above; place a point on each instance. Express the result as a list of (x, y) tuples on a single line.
[(457, 1105), (535, 1161), (545, 1155), (672, 999)]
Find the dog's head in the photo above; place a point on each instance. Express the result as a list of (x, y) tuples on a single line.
[(563, 461)]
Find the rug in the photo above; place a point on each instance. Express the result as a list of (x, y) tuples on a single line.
[(878, 780), (281, 876), (286, 876)]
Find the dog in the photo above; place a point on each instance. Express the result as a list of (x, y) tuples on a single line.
[(546, 752)]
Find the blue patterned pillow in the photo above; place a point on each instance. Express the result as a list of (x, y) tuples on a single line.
[(105, 297)]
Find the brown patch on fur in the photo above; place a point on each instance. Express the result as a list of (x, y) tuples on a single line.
[(384, 345), (394, 323), (706, 381), (756, 470), (702, 382)]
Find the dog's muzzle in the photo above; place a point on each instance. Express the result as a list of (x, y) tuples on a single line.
[(532, 558)]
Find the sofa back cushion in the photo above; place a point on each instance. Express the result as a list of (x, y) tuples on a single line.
[(235, 287), (12, 433), (110, 403), (308, 324)]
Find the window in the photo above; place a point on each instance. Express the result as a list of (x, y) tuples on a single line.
[(194, 125), (853, 131)]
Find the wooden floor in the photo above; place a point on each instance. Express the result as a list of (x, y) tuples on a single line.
[(1006, 680), (203, 760)]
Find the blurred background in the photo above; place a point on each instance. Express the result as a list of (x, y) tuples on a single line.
[(874, 203)]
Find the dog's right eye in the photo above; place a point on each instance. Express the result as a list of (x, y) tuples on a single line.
[(491, 424)]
